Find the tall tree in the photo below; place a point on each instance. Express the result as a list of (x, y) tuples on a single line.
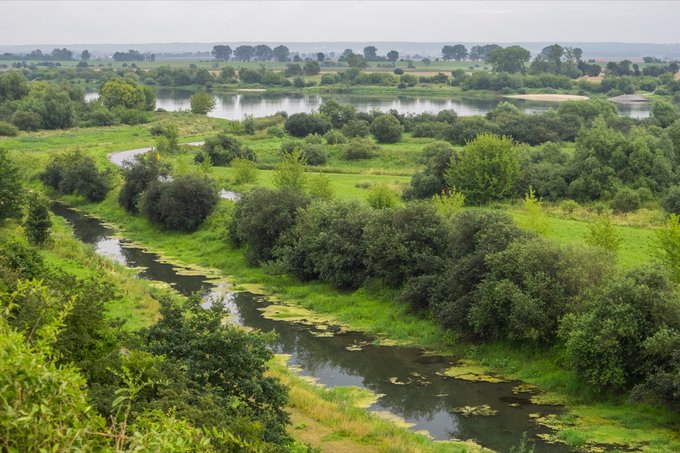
[(320, 57), (263, 52), (370, 53), (11, 189), (221, 52), (509, 59), (85, 55), (459, 52), (392, 56), (447, 53), (281, 53), (244, 53)]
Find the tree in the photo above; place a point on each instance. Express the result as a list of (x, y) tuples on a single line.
[(281, 53), (537, 220), (303, 124), (459, 52), (290, 173), (667, 245), (602, 233), (392, 56), (181, 204), (223, 148), (386, 129), (311, 68), (85, 55), (123, 92), (221, 52), (244, 53), (357, 61), (138, 174), (37, 224), (447, 53), (370, 53), (11, 188), (320, 57), (436, 157), (74, 173), (261, 217), (263, 52), (292, 70), (201, 103), (487, 170), (382, 197), (509, 59), (665, 113)]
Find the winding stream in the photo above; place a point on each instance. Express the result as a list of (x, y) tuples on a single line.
[(426, 399)]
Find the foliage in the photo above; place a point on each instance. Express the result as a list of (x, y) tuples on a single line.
[(290, 173), (671, 201), (359, 148), (124, 92), (386, 129), (223, 148), (625, 200), (7, 129), (537, 220), (665, 113), (181, 204), (449, 202), (602, 233), (37, 224), (356, 128), (201, 103), (382, 197), (303, 124), (11, 188), (245, 171), (138, 174), (436, 158), (487, 169), (76, 173), (667, 245), (261, 217)]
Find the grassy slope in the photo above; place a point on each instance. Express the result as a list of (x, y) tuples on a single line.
[(372, 309)]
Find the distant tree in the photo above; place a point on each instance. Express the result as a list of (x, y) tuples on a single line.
[(382, 197), (201, 103), (123, 92), (553, 56), (221, 52), (138, 174), (62, 54), (85, 55), (244, 53), (292, 70), (38, 223), (320, 57), (290, 173), (459, 52), (509, 59), (370, 53), (602, 233), (311, 68), (303, 124), (447, 53), (263, 52), (11, 188), (665, 113), (357, 61), (392, 56), (281, 53), (487, 170)]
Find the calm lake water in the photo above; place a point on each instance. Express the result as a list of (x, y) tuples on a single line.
[(426, 399), (236, 106)]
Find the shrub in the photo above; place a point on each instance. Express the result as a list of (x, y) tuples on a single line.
[(11, 188), (201, 103), (625, 200), (7, 129), (37, 224), (245, 171), (356, 128), (398, 71), (386, 129), (335, 137), (276, 131), (138, 174), (671, 201), (26, 120), (569, 206), (431, 181), (261, 217), (303, 124), (290, 172), (467, 128), (359, 148), (382, 197), (75, 173), (602, 233), (487, 170), (223, 148), (327, 243), (405, 242), (181, 204), (313, 154)]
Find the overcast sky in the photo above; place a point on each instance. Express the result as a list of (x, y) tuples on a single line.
[(98, 22)]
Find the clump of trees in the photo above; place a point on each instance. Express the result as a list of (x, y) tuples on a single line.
[(221, 149), (75, 173)]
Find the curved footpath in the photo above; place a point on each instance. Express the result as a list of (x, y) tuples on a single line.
[(119, 157)]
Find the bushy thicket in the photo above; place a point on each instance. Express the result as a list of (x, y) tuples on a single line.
[(76, 173), (222, 149), (180, 204), (481, 276), (139, 173), (74, 378)]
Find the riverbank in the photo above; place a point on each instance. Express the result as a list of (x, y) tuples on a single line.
[(372, 310)]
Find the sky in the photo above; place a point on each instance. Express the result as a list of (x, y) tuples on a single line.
[(99, 22)]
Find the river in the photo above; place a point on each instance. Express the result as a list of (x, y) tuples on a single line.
[(237, 106), (407, 378)]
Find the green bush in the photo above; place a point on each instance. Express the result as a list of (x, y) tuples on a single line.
[(671, 201), (201, 103), (303, 124), (37, 224), (7, 129), (11, 188), (382, 197), (76, 173), (335, 137), (386, 129), (181, 204), (138, 174), (26, 120), (625, 200), (356, 128), (223, 148), (359, 148)]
